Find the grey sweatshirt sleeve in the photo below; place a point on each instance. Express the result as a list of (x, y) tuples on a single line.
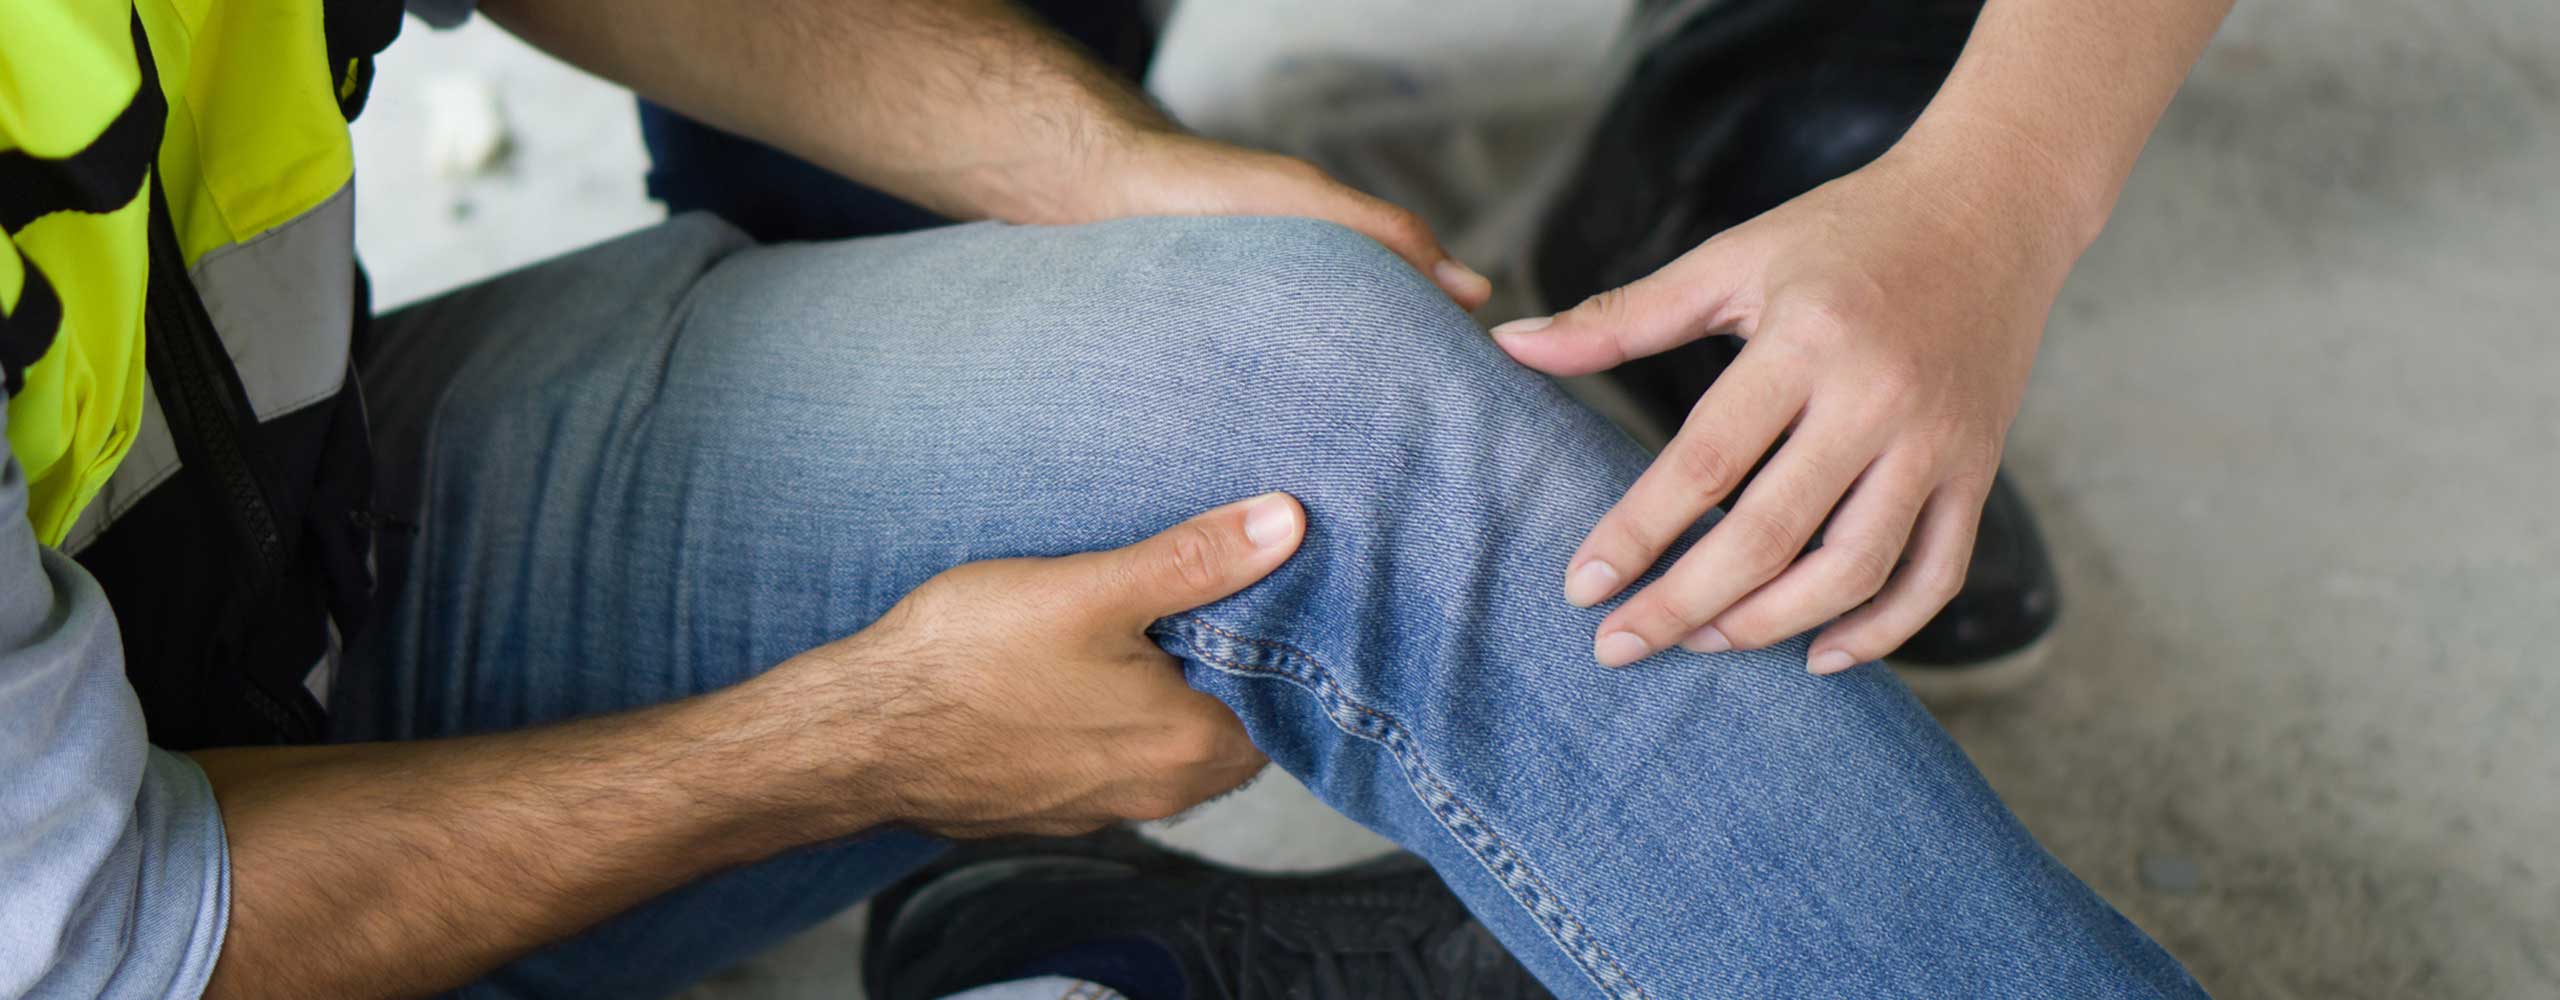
[(115, 880)]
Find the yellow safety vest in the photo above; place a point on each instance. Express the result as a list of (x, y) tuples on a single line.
[(253, 151), (239, 109)]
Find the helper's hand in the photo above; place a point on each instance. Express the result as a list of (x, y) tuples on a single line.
[(1023, 695), (1891, 317), (1177, 173)]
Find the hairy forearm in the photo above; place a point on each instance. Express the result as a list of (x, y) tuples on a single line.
[(968, 107), (401, 869), (2058, 96)]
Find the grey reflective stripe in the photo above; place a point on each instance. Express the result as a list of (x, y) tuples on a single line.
[(283, 301), (284, 304)]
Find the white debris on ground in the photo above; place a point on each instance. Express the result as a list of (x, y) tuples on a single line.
[(566, 170), (466, 130)]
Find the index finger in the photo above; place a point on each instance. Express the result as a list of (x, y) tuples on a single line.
[(1726, 433), (1767, 529)]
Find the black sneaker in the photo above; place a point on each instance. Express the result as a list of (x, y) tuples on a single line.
[(1730, 112), (1382, 930)]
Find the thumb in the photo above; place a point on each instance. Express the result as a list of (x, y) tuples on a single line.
[(1681, 302), (1200, 560)]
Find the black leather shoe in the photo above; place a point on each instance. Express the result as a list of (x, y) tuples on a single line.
[(1384, 930), (1744, 105), (1741, 107)]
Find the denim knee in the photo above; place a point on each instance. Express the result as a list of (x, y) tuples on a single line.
[(1316, 318), (1201, 355)]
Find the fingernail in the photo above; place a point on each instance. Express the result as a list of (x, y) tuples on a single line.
[(1589, 582), (1830, 661), (1518, 326), (1617, 649), (1269, 522), (1460, 280), (1707, 640)]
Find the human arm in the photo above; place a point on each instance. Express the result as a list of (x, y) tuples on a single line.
[(100, 833), (968, 107), (1891, 317), (402, 869), (1011, 696)]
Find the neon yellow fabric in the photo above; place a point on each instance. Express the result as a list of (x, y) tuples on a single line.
[(65, 69), (82, 401), (254, 139), (13, 276)]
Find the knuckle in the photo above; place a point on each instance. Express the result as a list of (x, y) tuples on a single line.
[(1612, 306), (1971, 448), (1897, 384), (1192, 558), (1828, 316), (1672, 618), (1978, 456), (1762, 542), (1757, 623), (1622, 538), (1940, 580), (1930, 451), (1746, 628), (1865, 568), (1703, 463), (1971, 489)]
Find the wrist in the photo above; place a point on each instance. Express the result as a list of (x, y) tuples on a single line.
[(1066, 146), (801, 768), (1120, 169), (2055, 196)]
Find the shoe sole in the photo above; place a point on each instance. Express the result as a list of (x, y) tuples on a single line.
[(1946, 687)]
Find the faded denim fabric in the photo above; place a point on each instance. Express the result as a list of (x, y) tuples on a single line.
[(658, 466)]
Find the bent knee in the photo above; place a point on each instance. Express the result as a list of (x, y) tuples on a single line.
[(1293, 303), (1311, 263)]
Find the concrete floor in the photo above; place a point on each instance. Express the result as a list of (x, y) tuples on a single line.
[(2292, 425)]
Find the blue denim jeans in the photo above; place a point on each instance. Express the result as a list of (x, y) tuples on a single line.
[(658, 466)]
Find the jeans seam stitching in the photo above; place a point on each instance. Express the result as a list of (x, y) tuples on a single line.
[(1595, 959)]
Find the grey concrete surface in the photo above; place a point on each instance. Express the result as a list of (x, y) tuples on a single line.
[(2295, 436)]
